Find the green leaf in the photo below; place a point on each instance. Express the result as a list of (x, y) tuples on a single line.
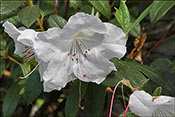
[(123, 16), (56, 21), (151, 73), (102, 6), (96, 99), (72, 102), (46, 6), (128, 114), (130, 72), (157, 91), (139, 19), (2, 66), (75, 4), (11, 100), (161, 64), (136, 31), (33, 87), (25, 68), (113, 79), (3, 46), (9, 15), (159, 9), (14, 20), (29, 15), (9, 6)]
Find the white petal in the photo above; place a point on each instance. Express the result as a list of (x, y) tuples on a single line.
[(12, 31), (166, 105), (114, 43), (141, 104), (42, 69), (59, 71), (81, 21), (93, 68), (50, 86), (89, 38), (27, 37), (48, 42)]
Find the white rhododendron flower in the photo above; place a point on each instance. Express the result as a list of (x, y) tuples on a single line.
[(81, 49), (143, 104), (23, 39)]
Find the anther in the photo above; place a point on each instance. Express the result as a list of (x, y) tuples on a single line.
[(84, 55), (88, 49), (30, 52), (84, 75), (74, 54), (27, 57), (77, 59)]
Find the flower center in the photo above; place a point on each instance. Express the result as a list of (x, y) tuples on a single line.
[(78, 49)]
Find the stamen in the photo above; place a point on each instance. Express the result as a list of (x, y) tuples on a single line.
[(30, 52), (30, 72), (77, 59), (31, 57), (25, 51), (26, 46), (74, 54), (84, 75), (84, 55)]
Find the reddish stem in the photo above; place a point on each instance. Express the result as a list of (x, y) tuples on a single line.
[(55, 9), (126, 110), (67, 6), (158, 42), (112, 99)]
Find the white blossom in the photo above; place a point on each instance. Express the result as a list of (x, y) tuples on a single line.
[(143, 104), (82, 49), (24, 39)]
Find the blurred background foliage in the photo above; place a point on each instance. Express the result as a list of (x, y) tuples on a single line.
[(149, 63)]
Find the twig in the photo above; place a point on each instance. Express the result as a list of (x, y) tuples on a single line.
[(158, 42), (67, 6), (55, 9)]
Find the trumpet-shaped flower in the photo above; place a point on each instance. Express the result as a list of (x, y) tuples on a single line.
[(81, 49), (23, 39), (143, 104)]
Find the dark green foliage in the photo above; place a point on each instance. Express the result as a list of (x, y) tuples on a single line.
[(33, 87), (56, 21)]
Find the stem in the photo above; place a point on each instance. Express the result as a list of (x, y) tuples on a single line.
[(67, 6), (123, 96), (38, 20), (55, 10), (112, 99), (126, 110), (12, 59), (158, 42), (79, 105)]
